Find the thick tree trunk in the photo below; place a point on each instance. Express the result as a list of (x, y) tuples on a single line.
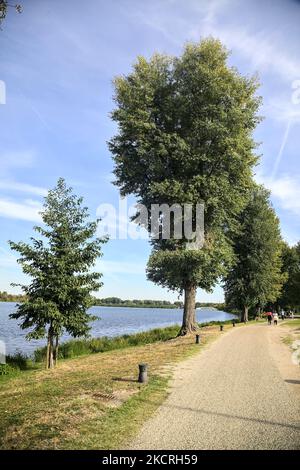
[(189, 315), (245, 314)]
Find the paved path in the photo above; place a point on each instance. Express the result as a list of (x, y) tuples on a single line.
[(242, 392)]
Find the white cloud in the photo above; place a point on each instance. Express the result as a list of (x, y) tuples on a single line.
[(283, 109), (28, 210), (12, 160), (22, 187), (263, 48), (285, 190)]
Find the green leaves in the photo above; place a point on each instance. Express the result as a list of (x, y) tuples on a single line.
[(290, 297)]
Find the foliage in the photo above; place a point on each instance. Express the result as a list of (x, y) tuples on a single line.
[(4, 5), (290, 297), (175, 269)]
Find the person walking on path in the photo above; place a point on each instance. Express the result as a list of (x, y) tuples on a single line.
[(275, 318), (269, 317)]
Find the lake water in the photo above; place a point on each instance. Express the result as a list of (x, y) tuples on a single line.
[(113, 321)]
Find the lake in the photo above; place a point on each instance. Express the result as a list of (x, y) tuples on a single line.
[(113, 321)]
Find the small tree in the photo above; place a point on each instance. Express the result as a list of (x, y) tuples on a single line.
[(256, 276), (59, 264)]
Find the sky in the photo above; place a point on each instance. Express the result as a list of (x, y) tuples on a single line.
[(57, 63)]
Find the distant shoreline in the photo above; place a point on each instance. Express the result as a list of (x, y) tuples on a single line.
[(213, 306)]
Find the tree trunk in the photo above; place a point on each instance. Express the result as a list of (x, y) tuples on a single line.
[(244, 317), (48, 351), (49, 359), (189, 314), (56, 350)]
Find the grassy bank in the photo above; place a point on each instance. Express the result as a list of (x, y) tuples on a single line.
[(80, 347), (93, 401)]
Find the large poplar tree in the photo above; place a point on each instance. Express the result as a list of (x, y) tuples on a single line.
[(59, 264), (185, 136), (256, 277)]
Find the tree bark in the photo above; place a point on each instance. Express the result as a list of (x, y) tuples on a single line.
[(56, 351), (48, 351), (189, 314), (49, 359), (244, 317)]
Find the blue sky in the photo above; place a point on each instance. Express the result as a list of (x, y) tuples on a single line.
[(58, 59)]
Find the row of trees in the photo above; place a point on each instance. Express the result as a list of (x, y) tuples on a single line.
[(5, 297), (185, 135)]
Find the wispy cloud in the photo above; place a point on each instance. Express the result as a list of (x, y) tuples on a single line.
[(17, 159), (22, 187), (285, 190), (7, 259), (26, 210)]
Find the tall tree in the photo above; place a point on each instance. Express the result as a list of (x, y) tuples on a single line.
[(290, 297), (185, 136), (256, 277), (59, 264)]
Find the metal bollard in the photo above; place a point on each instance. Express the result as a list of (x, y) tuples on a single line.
[(143, 373), (221, 327), (197, 339)]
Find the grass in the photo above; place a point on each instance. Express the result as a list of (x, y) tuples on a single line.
[(93, 401), (295, 323), (81, 347), (294, 333)]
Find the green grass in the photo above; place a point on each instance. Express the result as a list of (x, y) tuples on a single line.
[(93, 401), (81, 347), (294, 323)]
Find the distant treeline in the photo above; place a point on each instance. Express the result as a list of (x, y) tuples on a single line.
[(117, 302), (5, 297), (149, 303)]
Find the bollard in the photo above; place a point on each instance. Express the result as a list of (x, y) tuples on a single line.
[(197, 339), (233, 323), (221, 327), (143, 373)]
